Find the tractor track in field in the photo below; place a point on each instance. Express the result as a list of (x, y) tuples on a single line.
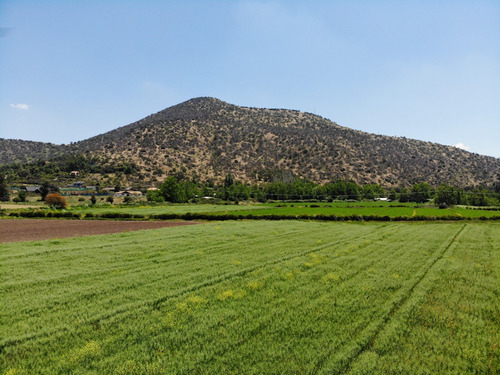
[(360, 348)]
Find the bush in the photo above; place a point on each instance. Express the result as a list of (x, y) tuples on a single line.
[(56, 200), (21, 196), (154, 196), (128, 200)]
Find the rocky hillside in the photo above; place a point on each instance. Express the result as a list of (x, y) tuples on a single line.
[(207, 138)]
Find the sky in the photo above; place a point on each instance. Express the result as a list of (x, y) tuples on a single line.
[(428, 70)]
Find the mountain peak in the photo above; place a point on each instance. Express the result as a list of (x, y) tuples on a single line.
[(194, 108)]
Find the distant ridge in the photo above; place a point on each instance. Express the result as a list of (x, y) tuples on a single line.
[(206, 138)]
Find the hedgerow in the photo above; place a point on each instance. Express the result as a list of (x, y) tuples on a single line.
[(190, 216)]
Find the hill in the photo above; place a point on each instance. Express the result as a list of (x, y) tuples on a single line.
[(20, 151), (206, 138)]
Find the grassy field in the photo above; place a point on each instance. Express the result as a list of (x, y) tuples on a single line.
[(256, 297), (166, 209), (338, 209), (363, 208), (259, 209)]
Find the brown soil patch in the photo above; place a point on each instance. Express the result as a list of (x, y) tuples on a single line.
[(40, 229)]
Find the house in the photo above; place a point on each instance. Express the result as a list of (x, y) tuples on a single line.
[(129, 193), (79, 184), (32, 189), (74, 174)]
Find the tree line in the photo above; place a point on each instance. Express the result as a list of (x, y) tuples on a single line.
[(177, 190), (181, 189)]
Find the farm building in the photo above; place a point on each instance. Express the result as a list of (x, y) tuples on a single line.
[(31, 189), (129, 193)]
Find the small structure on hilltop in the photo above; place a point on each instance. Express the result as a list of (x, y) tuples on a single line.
[(74, 174)]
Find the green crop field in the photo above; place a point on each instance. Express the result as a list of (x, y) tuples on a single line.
[(291, 210), (256, 297), (165, 209), (259, 209), (362, 208)]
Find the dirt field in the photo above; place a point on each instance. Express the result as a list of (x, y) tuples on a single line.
[(39, 229)]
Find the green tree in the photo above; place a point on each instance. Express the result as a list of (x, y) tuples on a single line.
[(48, 188), (372, 191), (4, 190), (404, 195), (237, 192), (478, 197), (276, 190), (22, 195), (449, 195), (421, 192), (191, 191), (93, 199), (154, 196), (352, 191), (392, 195), (172, 191)]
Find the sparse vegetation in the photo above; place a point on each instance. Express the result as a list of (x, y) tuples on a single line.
[(207, 139)]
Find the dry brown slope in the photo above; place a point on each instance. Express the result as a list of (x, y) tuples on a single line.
[(207, 138)]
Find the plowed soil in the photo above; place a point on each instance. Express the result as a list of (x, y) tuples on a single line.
[(40, 229)]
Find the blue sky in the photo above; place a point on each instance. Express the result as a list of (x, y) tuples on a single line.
[(428, 70)]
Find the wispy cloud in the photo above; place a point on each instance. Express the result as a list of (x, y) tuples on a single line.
[(21, 106), (462, 146)]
